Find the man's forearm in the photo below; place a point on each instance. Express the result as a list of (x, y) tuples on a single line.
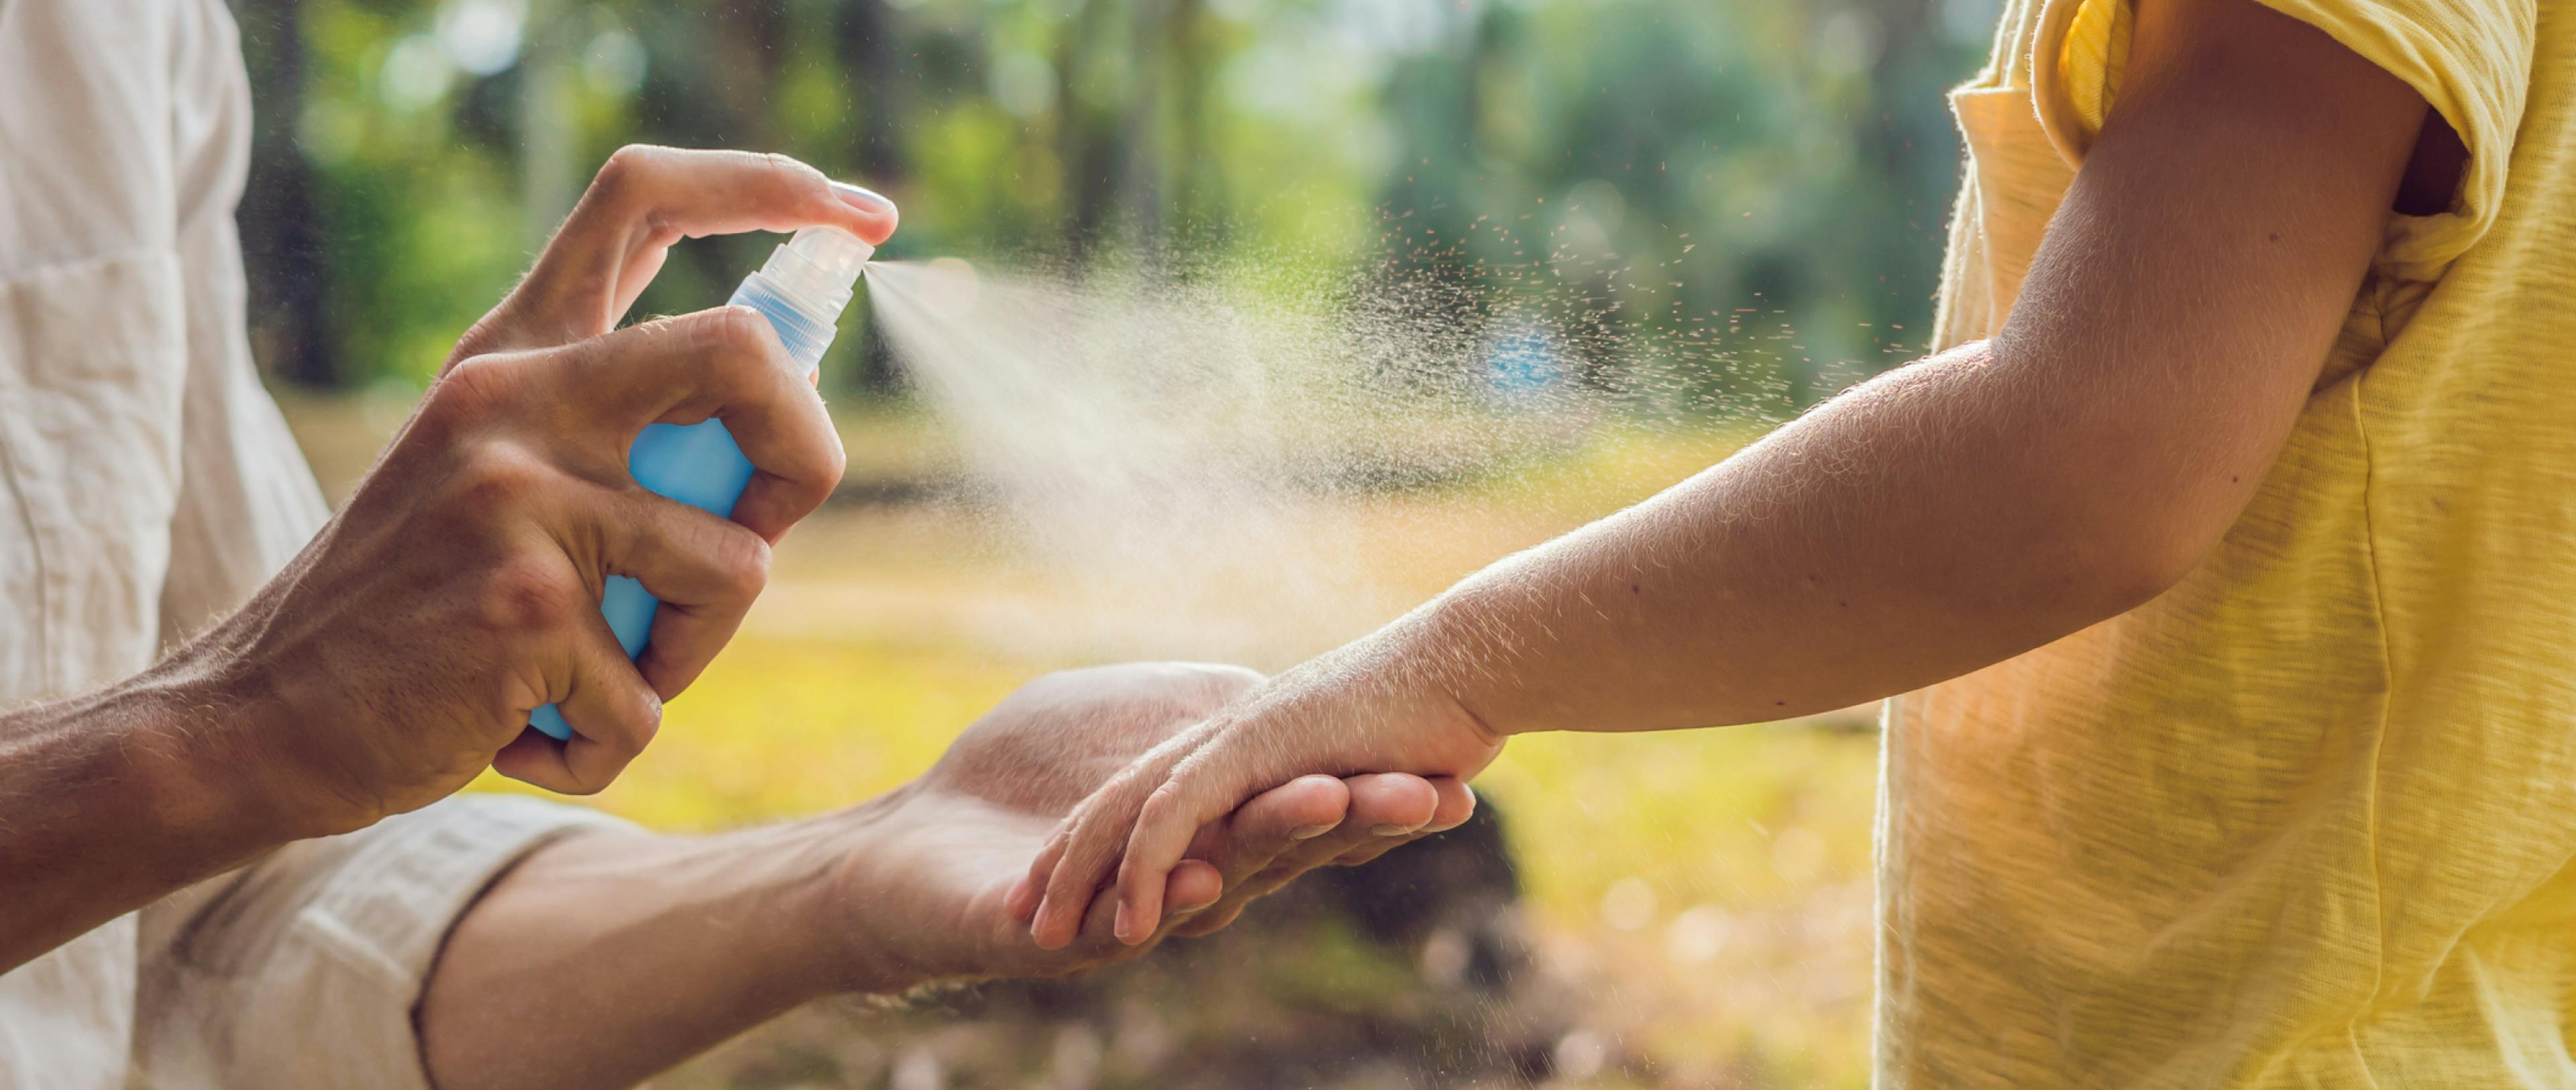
[(606, 957), (111, 800)]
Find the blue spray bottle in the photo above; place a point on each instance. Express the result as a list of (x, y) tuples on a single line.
[(802, 291)]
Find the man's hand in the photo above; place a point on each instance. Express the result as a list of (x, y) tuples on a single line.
[(401, 653), (459, 588), (539, 983), (929, 901)]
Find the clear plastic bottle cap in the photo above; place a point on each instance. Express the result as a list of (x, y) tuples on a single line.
[(818, 267)]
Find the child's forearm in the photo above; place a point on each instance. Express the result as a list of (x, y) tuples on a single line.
[(1946, 516)]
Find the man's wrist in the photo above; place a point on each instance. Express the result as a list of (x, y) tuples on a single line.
[(845, 905), (198, 799), (209, 761)]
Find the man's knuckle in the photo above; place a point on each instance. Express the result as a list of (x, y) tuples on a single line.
[(648, 725), (1164, 803), (524, 596), (835, 462), (1079, 864), (498, 476), (635, 730), (472, 390), (744, 559), (619, 174)]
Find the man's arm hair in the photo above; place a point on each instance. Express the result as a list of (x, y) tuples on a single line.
[(111, 800)]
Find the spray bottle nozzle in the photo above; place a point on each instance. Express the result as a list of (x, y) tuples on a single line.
[(834, 251), (818, 267)]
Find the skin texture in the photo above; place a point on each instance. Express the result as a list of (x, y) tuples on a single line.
[(1940, 518), (401, 652), (607, 957)]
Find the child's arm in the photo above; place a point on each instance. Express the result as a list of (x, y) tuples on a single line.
[(1935, 520)]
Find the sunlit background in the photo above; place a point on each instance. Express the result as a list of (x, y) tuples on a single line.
[(1747, 194)]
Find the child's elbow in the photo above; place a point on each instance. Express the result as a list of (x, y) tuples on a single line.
[(2141, 573), (2132, 556)]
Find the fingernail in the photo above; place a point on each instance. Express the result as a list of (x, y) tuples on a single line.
[(1394, 830), (865, 199), (1308, 832), (1120, 925)]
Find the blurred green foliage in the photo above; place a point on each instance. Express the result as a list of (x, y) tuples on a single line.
[(1757, 183)]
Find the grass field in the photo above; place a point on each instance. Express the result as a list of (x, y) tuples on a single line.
[(1704, 896)]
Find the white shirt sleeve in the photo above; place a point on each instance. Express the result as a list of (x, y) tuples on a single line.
[(303, 970)]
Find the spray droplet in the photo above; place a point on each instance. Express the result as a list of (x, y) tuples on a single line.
[(949, 287), (1629, 905)]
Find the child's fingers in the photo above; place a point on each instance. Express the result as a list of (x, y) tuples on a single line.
[(1378, 801), (1141, 877), (1236, 845), (1276, 824), (1195, 887), (1169, 819), (1091, 848), (1282, 832), (1022, 902)]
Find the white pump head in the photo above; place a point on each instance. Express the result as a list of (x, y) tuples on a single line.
[(804, 287), (818, 268)]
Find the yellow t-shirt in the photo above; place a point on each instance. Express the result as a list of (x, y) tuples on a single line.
[(2308, 819)]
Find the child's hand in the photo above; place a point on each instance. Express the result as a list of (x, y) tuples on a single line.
[(1330, 716)]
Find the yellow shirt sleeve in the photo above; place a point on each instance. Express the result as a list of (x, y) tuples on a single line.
[(2470, 59)]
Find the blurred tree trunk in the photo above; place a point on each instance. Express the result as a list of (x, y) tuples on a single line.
[(717, 71), (280, 216), (1089, 136), (864, 42), (745, 38), (1199, 197), (1909, 83), (1141, 161), (549, 179)]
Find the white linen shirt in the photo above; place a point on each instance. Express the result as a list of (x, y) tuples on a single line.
[(147, 485)]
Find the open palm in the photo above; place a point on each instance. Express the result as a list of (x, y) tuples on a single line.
[(966, 831)]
